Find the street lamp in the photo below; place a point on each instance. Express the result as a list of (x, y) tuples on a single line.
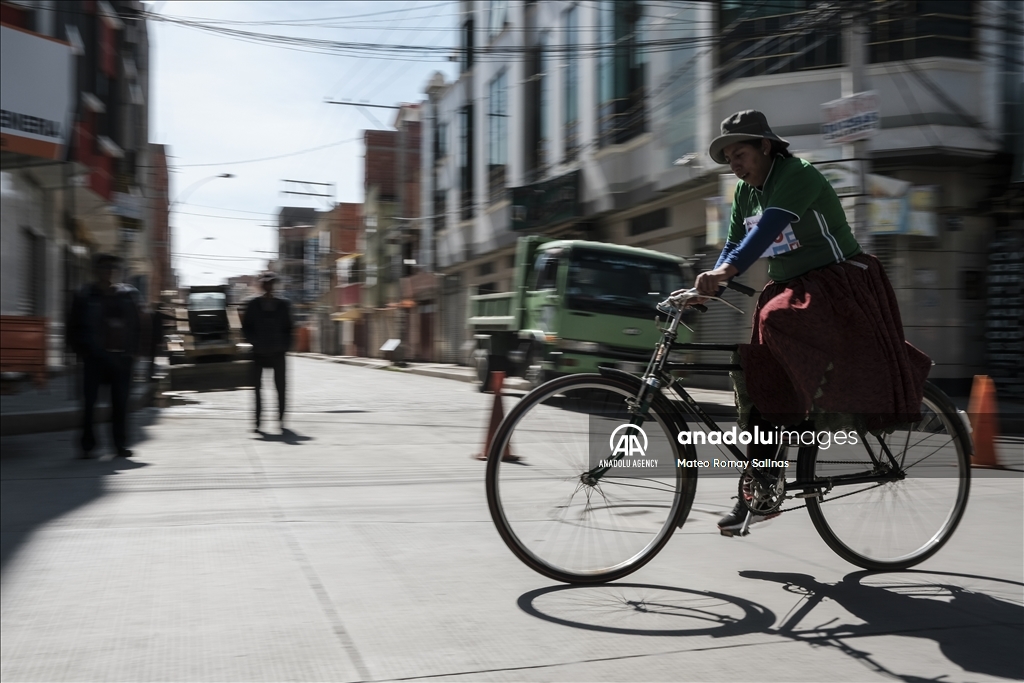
[(191, 188), (195, 242), (185, 193)]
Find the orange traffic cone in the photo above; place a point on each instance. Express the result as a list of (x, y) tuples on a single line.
[(497, 415), (984, 421)]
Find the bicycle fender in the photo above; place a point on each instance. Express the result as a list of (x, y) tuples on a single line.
[(619, 374)]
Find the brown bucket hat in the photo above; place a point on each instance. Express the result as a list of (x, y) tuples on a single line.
[(741, 126)]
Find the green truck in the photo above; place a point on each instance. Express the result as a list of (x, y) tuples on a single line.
[(575, 306), (207, 328)]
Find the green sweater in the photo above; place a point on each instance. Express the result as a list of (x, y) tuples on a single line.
[(819, 223)]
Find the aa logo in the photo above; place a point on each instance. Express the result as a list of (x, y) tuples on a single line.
[(626, 441)]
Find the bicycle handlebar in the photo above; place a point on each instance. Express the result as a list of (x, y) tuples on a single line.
[(677, 301), (742, 289)]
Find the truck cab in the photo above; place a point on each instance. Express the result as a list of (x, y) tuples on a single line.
[(577, 306)]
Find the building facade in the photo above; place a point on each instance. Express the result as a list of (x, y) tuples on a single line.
[(542, 133), (75, 154), (392, 308), (592, 120)]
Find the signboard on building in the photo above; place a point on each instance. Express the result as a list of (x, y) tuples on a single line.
[(922, 218), (898, 208), (849, 119), (544, 204), (843, 176), (128, 205), (36, 99), (1004, 315)]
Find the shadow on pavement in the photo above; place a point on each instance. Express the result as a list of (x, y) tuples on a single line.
[(286, 436), (42, 479), (647, 610), (978, 632)]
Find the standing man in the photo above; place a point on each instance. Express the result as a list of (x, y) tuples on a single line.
[(267, 325), (103, 329)]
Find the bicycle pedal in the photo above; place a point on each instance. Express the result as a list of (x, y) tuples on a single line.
[(809, 494), (729, 533)]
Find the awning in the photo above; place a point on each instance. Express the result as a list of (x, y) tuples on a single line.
[(351, 314)]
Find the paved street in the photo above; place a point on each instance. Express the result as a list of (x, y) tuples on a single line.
[(358, 547)]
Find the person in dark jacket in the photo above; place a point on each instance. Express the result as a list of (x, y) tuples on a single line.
[(267, 325), (103, 329)]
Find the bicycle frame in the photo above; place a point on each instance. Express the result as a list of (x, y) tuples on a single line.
[(659, 377)]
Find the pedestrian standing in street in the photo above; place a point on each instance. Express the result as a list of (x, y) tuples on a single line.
[(103, 329), (267, 325)]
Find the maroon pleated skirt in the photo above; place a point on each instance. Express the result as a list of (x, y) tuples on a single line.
[(829, 346)]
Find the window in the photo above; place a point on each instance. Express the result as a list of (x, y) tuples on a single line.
[(440, 210), (570, 105), (33, 298), (620, 284), (467, 45), (782, 36), (496, 19), (649, 221), (538, 107), (546, 269), (679, 88), (912, 30), (797, 35), (544, 102), (466, 161), (620, 72), (497, 134), (440, 140), (207, 301)]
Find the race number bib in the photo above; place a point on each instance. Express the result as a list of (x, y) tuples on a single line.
[(785, 242)]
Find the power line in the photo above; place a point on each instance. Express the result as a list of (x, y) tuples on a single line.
[(319, 20), (278, 156), (228, 218)]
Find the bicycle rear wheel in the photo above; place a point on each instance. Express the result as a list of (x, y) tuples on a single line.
[(543, 506), (895, 525)]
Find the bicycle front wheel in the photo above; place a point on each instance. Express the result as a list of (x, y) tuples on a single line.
[(550, 508), (897, 524)]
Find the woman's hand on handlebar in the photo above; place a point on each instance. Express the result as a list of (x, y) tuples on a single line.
[(686, 297), (710, 282)]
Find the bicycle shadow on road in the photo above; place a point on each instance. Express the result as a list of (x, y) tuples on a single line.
[(976, 631), (646, 610)]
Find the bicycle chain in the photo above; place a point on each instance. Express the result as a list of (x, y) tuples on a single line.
[(829, 462), (826, 500)]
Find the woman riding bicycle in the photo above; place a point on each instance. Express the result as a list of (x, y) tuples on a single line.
[(827, 342)]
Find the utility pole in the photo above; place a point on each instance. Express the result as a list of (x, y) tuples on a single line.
[(854, 80)]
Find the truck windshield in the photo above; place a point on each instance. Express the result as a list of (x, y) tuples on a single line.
[(621, 284), (207, 301)]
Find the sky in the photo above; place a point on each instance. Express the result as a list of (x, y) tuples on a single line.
[(216, 100)]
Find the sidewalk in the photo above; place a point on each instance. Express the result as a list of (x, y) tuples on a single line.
[(57, 406)]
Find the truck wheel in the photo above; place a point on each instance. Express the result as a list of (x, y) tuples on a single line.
[(533, 371)]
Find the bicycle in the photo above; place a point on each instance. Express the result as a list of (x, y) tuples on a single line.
[(587, 510)]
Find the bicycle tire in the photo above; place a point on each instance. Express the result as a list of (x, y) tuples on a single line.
[(555, 523), (896, 525)]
